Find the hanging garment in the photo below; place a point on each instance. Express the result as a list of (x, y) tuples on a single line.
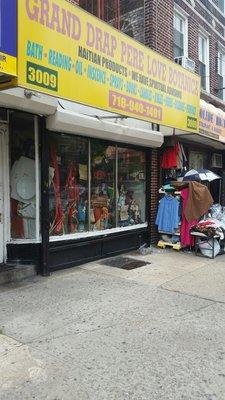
[(17, 227), (184, 155), (180, 158), (186, 238), (199, 199), (168, 214), (73, 197), (169, 158), (58, 223)]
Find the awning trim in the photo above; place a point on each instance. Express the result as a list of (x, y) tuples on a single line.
[(76, 123)]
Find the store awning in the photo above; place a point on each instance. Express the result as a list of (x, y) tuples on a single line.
[(202, 139), (103, 128), (65, 116), (28, 100)]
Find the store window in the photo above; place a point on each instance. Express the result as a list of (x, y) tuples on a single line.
[(23, 176), (131, 187), (197, 160), (204, 61), (94, 185), (68, 194), (221, 73), (103, 193), (180, 46)]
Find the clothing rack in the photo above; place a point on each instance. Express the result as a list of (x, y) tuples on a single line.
[(163, 243)]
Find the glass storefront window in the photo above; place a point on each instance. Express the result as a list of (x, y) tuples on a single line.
[(131, 204), (94, 185), (68, 194), (22, 177), (103, 194)]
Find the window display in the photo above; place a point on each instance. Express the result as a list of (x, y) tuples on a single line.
[(68, 194), (103, 196), (131, 202), (23, 177), (94, 185)]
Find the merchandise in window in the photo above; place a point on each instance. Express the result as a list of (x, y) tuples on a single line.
[(68, 194), (94, 186), (131, 203), (103, 195), (22, 177)]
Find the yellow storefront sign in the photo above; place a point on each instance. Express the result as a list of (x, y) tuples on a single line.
[(66, 52), (8, 64)]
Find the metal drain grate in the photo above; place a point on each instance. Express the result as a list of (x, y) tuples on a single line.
[(124, 263)]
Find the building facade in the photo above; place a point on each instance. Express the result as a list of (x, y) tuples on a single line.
[(75, 180), (192, 33), (81, 181)]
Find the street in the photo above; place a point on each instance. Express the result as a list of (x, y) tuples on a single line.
[(103, 333)]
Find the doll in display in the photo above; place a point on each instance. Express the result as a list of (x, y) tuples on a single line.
[(102, 189), (122, 197), (135, 212), (123, 207), (81, 216), (105, 218)]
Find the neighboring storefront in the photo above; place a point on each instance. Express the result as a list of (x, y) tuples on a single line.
[(204, 150), (191, 209), (77, 177)]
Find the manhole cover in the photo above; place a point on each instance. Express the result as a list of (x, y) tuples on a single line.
[(124, 263)]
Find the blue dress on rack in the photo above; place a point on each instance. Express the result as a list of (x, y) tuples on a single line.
[(168, 214)]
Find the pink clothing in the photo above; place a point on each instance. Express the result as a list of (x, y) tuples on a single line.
[(186, 238)]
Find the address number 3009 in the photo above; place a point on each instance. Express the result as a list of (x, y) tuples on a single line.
[(40, 76)]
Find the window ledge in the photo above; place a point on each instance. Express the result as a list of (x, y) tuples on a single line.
[(91, 234)]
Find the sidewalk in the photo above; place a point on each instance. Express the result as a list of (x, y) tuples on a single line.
[(102, 333)]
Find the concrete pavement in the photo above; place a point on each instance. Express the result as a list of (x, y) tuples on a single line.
[(102, 333)]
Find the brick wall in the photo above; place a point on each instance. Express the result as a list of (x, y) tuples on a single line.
[(159, 26), (154, 188), (131, 23), (206, 19)]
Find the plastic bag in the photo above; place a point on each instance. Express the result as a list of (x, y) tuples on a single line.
[(206, 248), (144, 249), (216, 211)]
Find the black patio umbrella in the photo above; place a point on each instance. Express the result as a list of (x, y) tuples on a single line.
[(200, 175)]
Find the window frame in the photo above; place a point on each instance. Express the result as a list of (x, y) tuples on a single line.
[(203, 35), (178, 12), (221, 73)]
